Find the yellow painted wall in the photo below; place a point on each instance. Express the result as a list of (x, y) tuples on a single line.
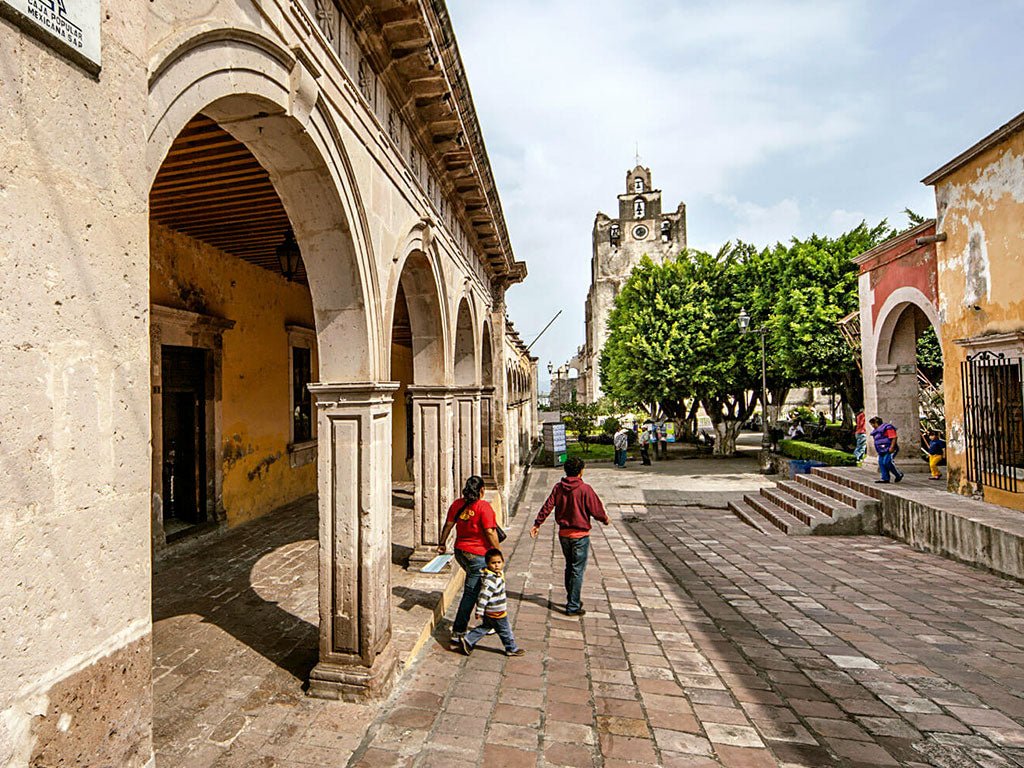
[(401, 371), (255, 417), (983, 201)]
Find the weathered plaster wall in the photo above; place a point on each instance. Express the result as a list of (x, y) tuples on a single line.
[(74, 485), (981, 263), (256, 384)]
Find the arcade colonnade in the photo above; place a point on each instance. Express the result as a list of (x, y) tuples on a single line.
[(359, 118)]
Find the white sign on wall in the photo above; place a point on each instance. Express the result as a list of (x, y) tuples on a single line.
[(70, 26)]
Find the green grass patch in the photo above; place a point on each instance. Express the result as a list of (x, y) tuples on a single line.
[(591, 452), (798, 449)]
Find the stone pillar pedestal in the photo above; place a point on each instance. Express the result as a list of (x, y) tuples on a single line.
[(357, 658), (433, 457)]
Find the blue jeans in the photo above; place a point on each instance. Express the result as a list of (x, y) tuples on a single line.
[(575, 551), (472, 565), (620, 457), (886, 466), (501, 627), (862, 448)]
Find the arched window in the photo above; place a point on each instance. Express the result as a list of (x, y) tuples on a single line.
[(613, 234), (638, 184), (666, 231), (639, 208)]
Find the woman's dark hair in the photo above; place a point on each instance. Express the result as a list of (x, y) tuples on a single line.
[(473, 488)]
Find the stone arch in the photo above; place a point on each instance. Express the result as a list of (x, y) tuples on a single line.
[(464, 362), (264, 97), (893, 393), (898, 307), (486, 356), (268, 100), (419, 275)]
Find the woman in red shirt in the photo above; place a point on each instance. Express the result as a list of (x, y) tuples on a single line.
[(475, 533)]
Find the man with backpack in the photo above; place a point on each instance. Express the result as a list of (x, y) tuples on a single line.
[(886, 446)]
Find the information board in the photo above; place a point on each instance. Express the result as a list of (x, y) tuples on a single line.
[(71, 27), (554, 443)]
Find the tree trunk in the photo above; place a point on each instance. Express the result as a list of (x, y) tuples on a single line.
[(726, 432), (778, 400)]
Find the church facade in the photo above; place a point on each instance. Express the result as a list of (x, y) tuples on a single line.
[(641, 227)]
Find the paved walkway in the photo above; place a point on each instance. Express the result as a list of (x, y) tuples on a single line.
[(705, 644), (708, 644)]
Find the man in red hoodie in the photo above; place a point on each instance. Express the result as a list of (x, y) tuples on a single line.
[(574, 503)]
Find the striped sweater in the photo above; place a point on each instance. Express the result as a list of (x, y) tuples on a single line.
[(492, 601)]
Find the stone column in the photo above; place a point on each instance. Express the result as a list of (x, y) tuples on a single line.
[(467, 434), (433, 470), (357, 658), (487, 444)]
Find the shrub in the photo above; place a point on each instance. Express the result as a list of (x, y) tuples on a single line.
[(798, 449), (610, 425)]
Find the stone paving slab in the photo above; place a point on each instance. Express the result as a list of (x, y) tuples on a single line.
[(234, 639), (707, 644)]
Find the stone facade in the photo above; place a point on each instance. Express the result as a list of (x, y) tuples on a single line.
[(639, 229), (980, 207), (348, 124)]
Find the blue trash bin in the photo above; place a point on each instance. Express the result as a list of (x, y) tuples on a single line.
[(802, 467)]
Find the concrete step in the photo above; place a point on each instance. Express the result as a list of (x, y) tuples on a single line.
[(854, 479), (751, 517), (776, 515), (824, 503), (837, 491), (799, 509)]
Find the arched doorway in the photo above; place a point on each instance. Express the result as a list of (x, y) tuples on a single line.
[(467, 396), (487, 405), (421, 425), (243, 89), (908, 366)]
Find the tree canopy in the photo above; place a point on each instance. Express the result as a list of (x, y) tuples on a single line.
[(674, 337)]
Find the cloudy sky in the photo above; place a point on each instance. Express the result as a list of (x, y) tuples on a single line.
[(768, 118)]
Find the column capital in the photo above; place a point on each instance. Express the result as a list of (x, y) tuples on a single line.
[(346, 394), (425, 391)]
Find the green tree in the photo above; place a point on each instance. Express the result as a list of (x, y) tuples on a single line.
[(673, 337), (581, 418), (818, 287)]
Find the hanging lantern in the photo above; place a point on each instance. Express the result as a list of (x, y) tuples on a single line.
[(289, 256)]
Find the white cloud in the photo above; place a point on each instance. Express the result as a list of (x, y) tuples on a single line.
[(770, 118)]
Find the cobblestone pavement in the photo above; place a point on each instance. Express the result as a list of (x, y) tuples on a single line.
[(235, 636), (707, 643)]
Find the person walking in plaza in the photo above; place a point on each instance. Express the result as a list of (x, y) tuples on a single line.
[(936, 453), (621, 443), (655, 443), (663, 439), (645, 444), (886, 446), (492, 608), (476, 533), (860, 434), (574, 503)]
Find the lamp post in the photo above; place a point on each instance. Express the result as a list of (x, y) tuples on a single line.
[(744, 323)]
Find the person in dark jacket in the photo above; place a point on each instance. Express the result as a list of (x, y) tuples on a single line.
[(886, 446), (574, 504)]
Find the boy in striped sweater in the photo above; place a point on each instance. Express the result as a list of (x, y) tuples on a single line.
[(492, 607)]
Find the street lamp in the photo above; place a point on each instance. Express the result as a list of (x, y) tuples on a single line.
[(744, 323), (557, 391)]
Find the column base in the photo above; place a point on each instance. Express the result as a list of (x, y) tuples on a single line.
[(348, 679), (421, 556)]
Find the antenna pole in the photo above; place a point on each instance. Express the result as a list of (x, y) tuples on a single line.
[(543, 330)]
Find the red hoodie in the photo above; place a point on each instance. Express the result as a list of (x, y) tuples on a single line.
[(574, 503)]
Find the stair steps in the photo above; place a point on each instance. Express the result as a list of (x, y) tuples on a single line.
[(822, 503)]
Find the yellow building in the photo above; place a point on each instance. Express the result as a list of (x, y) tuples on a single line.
[(980, 212)]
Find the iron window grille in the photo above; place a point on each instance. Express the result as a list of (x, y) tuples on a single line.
[(993, 391)]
